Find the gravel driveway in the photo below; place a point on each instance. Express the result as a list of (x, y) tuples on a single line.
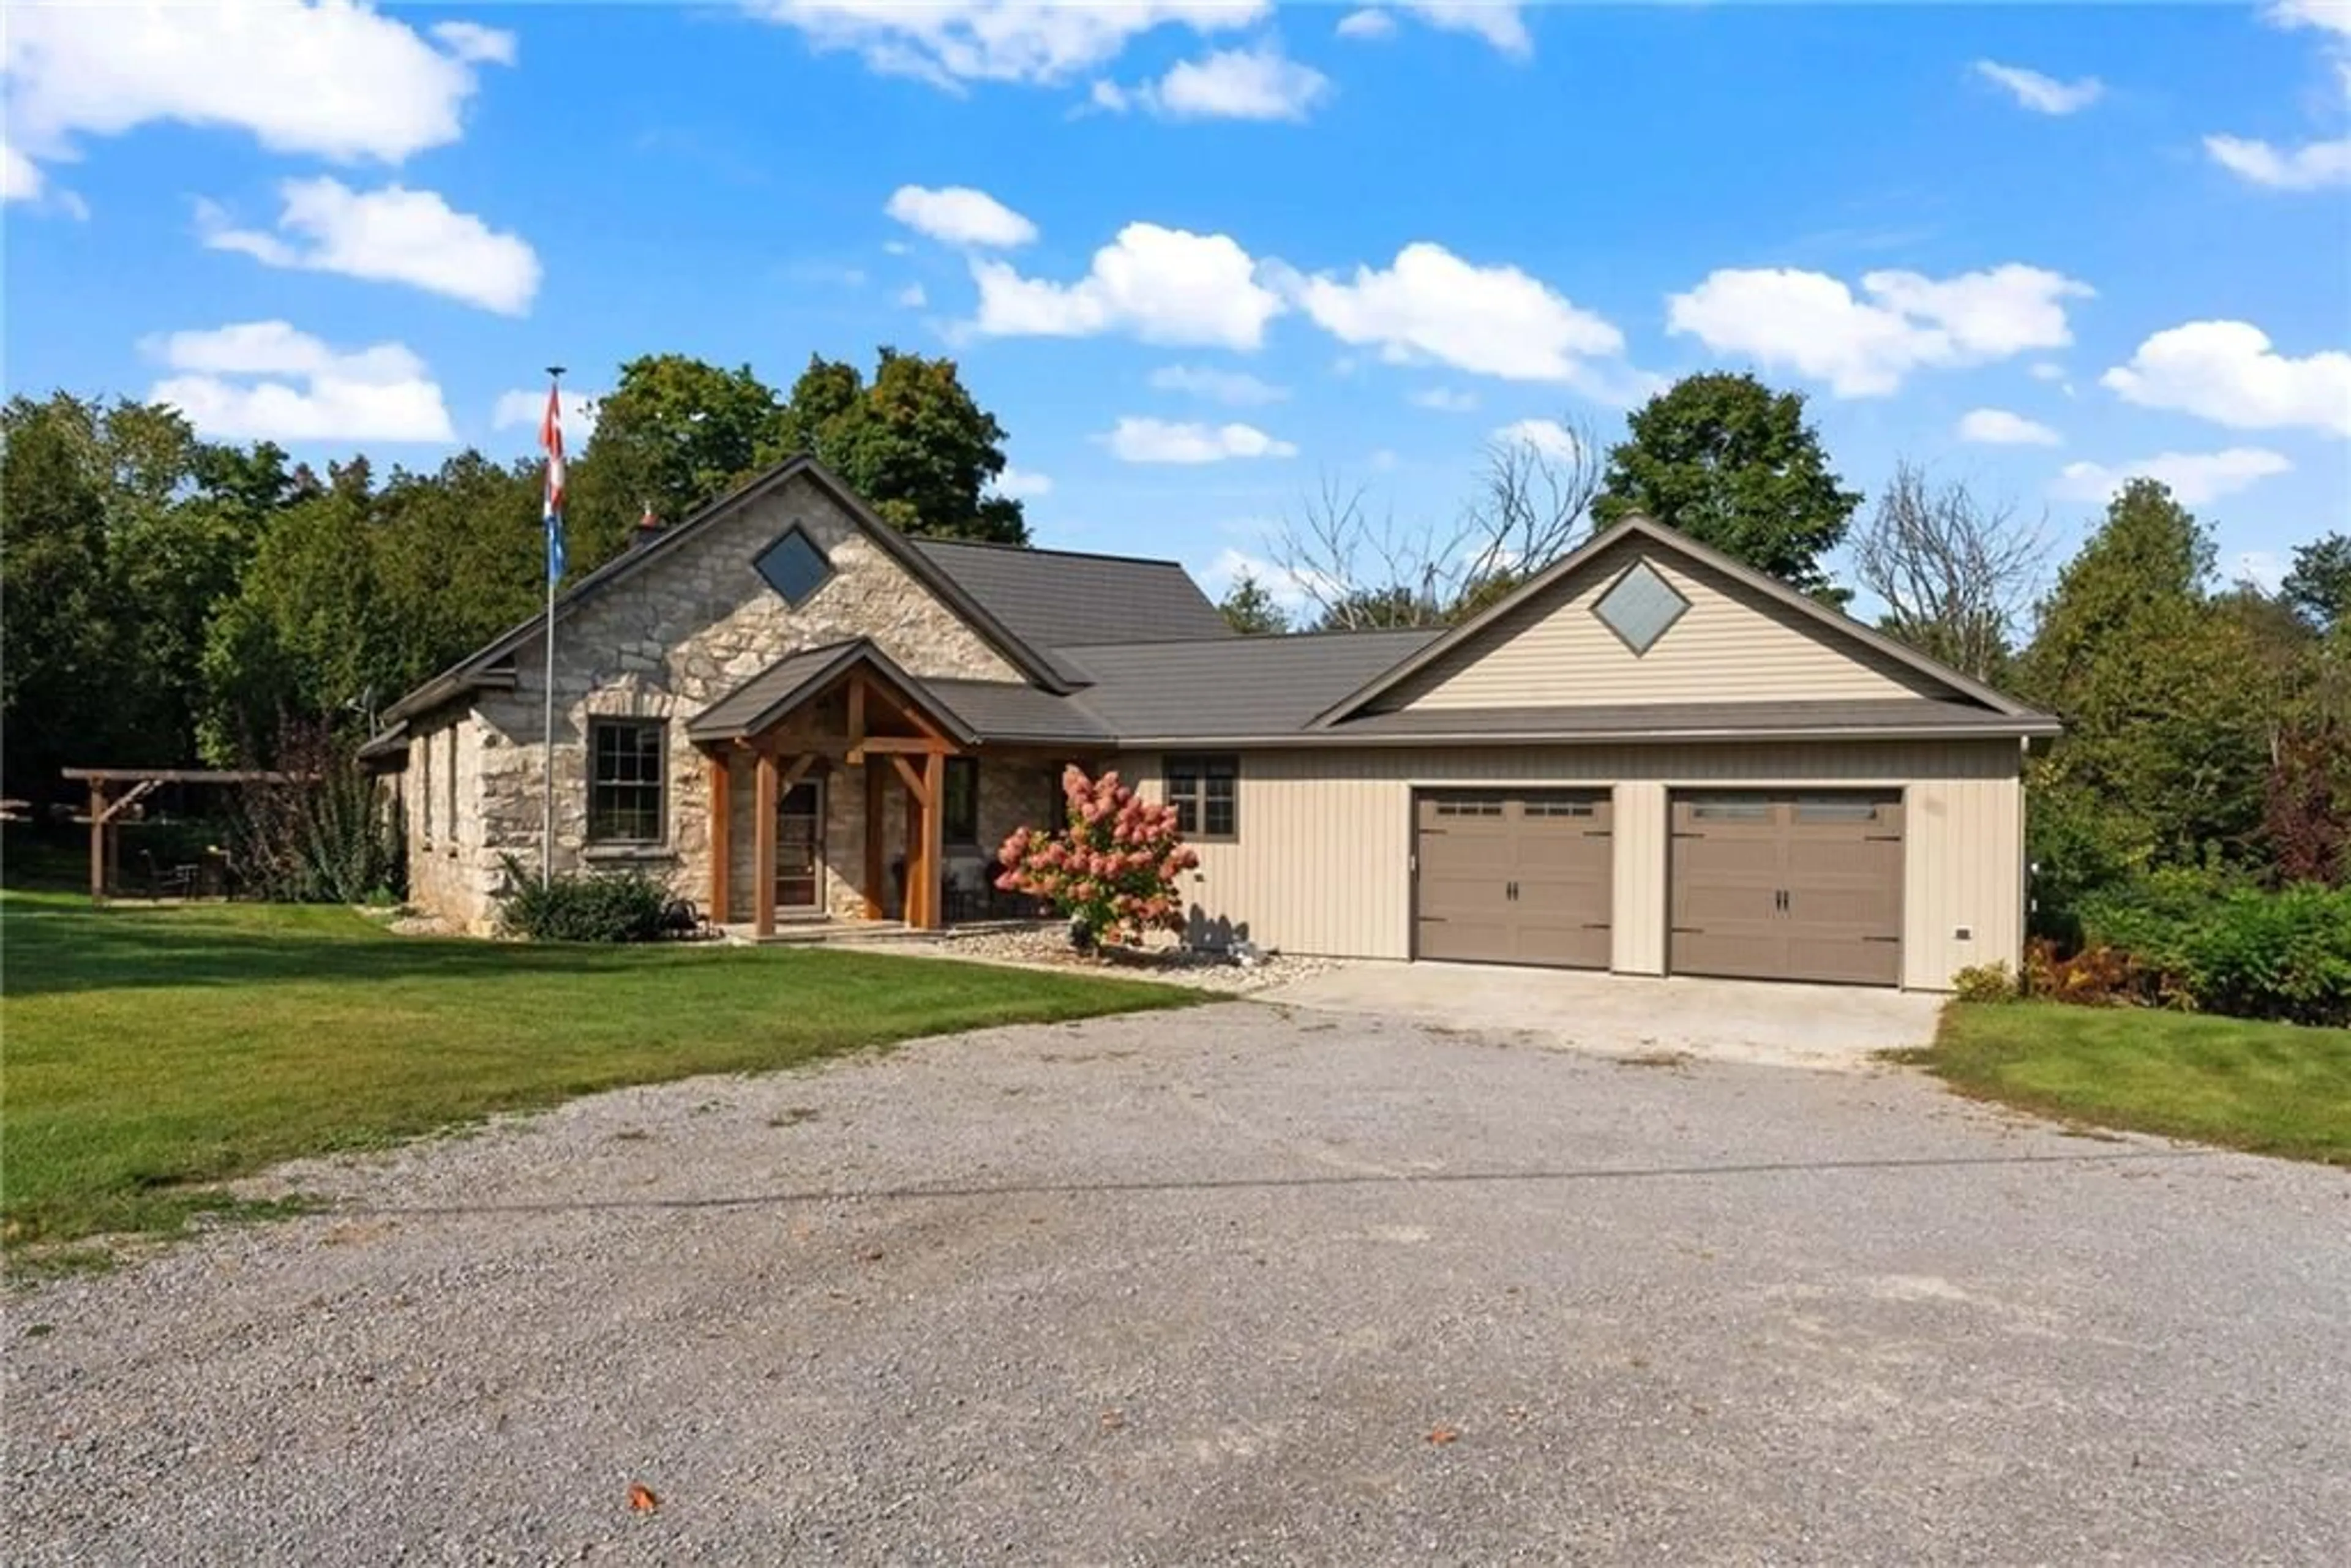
[(1239, 1285)]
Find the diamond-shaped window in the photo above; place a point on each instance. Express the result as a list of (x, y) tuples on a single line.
[(1639, 607), (794, 567)]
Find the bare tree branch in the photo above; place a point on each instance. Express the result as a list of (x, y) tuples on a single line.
[(1957, 576), (1357, 571)]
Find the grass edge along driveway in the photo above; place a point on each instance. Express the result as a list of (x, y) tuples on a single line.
[(2266, 1088), (152, 1053)]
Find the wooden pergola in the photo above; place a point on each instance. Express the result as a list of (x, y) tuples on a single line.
[(106, 806), (916, 747)]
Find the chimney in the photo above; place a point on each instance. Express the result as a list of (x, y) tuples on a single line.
[(648, 530)]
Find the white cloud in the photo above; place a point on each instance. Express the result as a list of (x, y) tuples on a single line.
[(2043, 94), (1498, 24), (1430, 305), (950, 42), (1161, 284), (1259, 83), (1999, 427), (1160, 441), (382, 393), (2312, 166), (2194, 477), (475, 44), (1547, 436), (1444, 400), (1237, 388), (1366, 24), (20, 177), (392, 235), (2046, 371), (1019, 485), (957, 214), (332, 80), (2227, 372), (913, 296), (2331, 16), (1865, 348), (526, 407)]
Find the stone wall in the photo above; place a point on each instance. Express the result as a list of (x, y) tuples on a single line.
[(443, 800), (664, 643)]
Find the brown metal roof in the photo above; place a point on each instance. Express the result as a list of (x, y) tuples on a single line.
[(1897, 716), (795, 677), (1230, 686), (1009, 711), (1055, 598)]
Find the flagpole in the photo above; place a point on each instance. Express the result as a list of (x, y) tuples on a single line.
[(546, 754)]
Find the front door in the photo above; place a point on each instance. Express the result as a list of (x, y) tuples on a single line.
[(799, 848)]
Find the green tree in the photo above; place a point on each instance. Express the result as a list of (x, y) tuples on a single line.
[(459, 558), (673, 432), (1732, 464), (2319, 586), (123, 530), (56, 655), (914, 443), (309, 631), (1392, 607), (2168, 695), (1250, 610)]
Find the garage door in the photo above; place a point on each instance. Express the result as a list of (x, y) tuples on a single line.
[(1521, 877), (1788, 887)]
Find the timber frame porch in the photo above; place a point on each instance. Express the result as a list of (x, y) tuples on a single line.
[(833, 709)]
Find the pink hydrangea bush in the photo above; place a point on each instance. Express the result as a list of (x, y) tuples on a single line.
[(1112, 867)]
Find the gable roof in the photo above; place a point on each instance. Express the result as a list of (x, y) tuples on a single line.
[(1062, 598), (475, 669), (1674, 542), (1229, 687)]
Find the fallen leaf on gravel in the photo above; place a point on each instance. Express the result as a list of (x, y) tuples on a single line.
[(1113, 1420), (1443, 1434), (642, 1499), (875, 1256)]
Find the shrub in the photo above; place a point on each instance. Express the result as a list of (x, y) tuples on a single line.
[(2097, 976), (2218, 944), (1112, 867), (1984, 983), (323, 833), (623, 906)]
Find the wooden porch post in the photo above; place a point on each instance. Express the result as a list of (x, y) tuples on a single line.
[(722, 836), (877, 806), (935, 791), (763, 839), (98, 841), (922, 845)]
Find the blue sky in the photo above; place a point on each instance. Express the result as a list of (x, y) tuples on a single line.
[(1199, 254)]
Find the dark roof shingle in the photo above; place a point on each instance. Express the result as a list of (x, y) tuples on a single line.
[(1667, 721), (1229, 686), (1052, 597)]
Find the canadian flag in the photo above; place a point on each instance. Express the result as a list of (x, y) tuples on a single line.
[(551, 436)]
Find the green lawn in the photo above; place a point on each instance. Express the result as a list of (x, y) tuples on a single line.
[(151, 1052), (2268, 1087)]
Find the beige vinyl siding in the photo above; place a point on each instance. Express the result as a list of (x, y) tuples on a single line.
[(1322, 866), (1730, 644)]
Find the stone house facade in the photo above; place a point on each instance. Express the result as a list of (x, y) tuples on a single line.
[(1649, 757)]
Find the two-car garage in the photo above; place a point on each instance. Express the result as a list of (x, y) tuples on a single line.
[(1800, 885)]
